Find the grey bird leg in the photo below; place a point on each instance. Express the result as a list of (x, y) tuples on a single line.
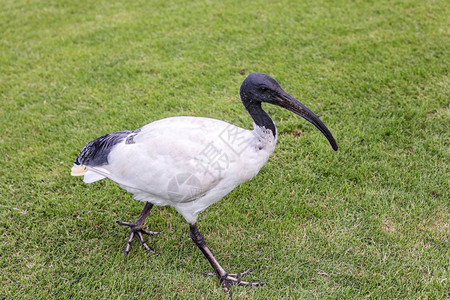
[(225, 278), (137, 232)]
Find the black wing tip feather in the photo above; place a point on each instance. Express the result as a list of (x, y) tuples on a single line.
[(95, 153)]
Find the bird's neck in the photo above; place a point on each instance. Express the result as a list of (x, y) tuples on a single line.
[(260, 117)]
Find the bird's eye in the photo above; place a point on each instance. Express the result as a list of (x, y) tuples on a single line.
[(263, 88)]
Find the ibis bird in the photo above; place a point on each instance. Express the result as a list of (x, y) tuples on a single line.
[(191, 163)]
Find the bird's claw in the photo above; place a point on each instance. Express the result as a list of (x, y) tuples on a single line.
[(237, 275), (137, 232), (230, 279)]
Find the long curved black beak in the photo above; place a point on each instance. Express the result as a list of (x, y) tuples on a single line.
[(290, 103)]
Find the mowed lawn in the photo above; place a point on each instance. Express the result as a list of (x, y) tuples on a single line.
[(369, 221)]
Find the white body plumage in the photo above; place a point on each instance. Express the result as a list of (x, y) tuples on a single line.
[(188, 163)]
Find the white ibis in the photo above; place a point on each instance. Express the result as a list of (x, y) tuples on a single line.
[(191, 163)]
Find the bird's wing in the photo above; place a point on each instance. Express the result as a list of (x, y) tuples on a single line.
[(176, 159)]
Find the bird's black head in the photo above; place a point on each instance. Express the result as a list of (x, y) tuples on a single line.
[(258, 87)]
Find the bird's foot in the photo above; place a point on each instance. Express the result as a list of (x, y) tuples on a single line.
[(228, 280), (137, 232)]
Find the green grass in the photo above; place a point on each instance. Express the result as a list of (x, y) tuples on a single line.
[(369, 221)]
